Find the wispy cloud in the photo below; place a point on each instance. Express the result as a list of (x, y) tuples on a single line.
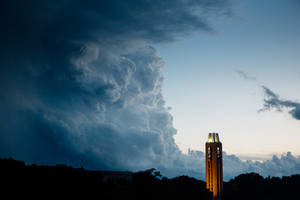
[(245, 75), (273, 101)]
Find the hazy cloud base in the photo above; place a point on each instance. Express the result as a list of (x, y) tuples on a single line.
[(81, 85)]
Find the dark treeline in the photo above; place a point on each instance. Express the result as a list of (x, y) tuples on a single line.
[(253, 186), (61, 181)]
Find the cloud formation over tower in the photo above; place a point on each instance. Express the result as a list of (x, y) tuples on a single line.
[(81, 83)]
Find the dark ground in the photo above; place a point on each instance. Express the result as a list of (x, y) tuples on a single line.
[(18, 180)]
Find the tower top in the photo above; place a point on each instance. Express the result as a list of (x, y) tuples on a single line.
[(213, 138)]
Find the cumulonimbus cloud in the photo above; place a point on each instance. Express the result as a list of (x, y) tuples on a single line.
[(273, 100), (81, 83)]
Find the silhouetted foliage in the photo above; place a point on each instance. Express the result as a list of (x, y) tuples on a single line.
[(61, 181), (64, 181), (253, 186)]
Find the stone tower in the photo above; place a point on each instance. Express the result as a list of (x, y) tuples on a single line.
[(214, 166)]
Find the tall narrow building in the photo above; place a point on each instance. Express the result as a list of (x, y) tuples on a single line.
[(214, 166)]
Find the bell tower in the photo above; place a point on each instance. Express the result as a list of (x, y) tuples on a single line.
[(214, 166)]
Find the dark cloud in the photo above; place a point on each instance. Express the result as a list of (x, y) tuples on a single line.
[(245, 75), (81, 83), (272, 100)]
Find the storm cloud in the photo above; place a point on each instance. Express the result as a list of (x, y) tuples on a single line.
[(273, 101), (81, 84)]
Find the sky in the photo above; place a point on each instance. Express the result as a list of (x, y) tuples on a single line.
[(213, 82), (133, 85)]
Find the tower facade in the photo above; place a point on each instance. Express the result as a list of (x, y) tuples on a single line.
[(214, 166)]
